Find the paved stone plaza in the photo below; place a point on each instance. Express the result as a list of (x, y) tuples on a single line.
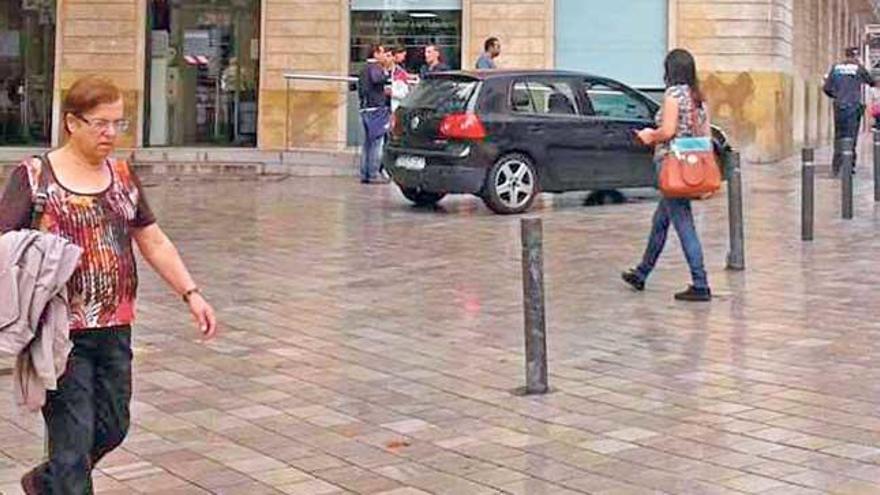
[(369, 347)]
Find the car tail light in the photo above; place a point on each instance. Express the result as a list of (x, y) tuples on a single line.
[(462, 126)]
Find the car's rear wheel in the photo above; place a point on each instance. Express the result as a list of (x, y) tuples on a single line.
[(512, 185), (421, 198)]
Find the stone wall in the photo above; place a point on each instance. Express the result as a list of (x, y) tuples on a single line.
[(308, 37), (525, 28), (311, 37), (763, 63), (104, 37)]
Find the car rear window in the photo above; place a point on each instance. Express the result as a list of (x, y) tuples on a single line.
[(444, 95)]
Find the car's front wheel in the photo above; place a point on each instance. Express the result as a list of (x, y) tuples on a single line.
[(421, 198), (512, 185)]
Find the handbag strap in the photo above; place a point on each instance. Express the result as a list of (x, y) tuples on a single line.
[(695, 117), (41, 195)]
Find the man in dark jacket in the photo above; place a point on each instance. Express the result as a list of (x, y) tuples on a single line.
[(844, 84), (433, 61), (374, 91)]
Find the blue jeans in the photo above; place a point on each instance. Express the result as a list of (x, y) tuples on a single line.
[(677, 212), (371, 153)]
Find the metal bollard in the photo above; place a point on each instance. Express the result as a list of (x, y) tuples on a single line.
[(533, 306), (847, 157), (876, 165), (736, 259), (808, 187)]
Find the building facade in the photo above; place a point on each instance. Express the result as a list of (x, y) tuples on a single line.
[(211, 73)]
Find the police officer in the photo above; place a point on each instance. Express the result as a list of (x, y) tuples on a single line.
[(844, 85)]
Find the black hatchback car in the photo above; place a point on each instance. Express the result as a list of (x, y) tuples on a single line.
[(508, 135)]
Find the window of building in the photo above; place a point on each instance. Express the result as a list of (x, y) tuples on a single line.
[(27, 70), (202, 73), (412, 24), (627, 44)]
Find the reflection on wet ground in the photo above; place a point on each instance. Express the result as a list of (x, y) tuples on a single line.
[(371, 347)]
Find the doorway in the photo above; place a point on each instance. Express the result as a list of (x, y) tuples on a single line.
[(27, 72), (202, 73)]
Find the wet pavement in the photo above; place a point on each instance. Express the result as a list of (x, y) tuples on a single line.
[(371, 347)]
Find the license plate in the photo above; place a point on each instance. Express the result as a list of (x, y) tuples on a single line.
[(410, 162)]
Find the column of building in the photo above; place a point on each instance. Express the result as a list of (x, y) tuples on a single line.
[(305, 37), (744, 51), (105, 38)]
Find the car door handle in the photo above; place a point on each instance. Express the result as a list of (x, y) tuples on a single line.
[(535, 128)]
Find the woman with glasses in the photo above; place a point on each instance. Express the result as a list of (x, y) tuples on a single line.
[(97, 203)]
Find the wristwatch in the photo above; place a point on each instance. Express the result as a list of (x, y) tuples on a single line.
[(186, 295)]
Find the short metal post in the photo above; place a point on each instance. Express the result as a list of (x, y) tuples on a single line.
[(533, 299), (876, 165), (736, 259), (808, 187), (847, 158)]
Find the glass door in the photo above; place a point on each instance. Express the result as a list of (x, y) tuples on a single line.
[(27, 70), (202, 77)]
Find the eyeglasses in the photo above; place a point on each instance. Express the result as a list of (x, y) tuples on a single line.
[(101, 125)]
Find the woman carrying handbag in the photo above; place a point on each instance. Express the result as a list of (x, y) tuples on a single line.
[(684, 117)]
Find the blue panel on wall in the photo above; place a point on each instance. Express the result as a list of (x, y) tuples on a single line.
[(624, 40)]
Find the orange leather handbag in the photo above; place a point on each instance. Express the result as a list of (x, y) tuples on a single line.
[(690, 170)]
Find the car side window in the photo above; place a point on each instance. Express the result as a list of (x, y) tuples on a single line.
[(543, 98), (615, 103)]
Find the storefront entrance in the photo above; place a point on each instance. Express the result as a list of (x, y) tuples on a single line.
[(27, 69), (202, 73)]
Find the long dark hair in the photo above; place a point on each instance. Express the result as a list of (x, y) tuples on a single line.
[(682, 69)]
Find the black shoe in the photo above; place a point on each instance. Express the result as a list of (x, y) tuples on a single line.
[(633, 279), (694, 294)]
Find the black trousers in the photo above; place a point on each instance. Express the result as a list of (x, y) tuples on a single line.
[(847, 120), (88, 416)]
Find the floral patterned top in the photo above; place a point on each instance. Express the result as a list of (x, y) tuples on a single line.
[(686, 127), (103, 289)]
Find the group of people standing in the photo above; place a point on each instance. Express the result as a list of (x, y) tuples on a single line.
[(384, 83)]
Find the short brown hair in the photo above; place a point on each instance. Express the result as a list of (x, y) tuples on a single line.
[(87, 93)]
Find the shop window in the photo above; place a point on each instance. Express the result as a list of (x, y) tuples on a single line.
[(27, 68), (627, 44), (202, 73), (412, 24)]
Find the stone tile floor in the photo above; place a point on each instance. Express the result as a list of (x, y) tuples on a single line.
[(370, 347)]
